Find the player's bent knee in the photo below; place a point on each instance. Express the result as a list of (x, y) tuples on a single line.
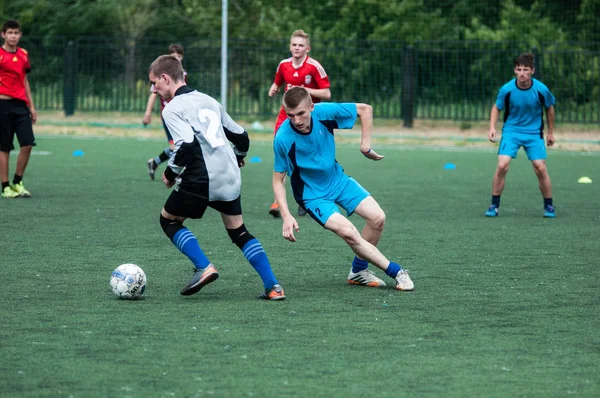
[(240, 236), (350, 235), (378, 221), (170, 227)]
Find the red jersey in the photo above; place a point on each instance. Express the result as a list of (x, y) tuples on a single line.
[(309, 74), (13, 68)]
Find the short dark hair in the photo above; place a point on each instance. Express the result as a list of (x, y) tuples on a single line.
[(11, 24), (168, 65), (525, 59), (176, 48), (294, 97)]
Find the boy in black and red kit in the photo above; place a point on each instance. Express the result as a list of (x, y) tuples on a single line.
[(17, 113)]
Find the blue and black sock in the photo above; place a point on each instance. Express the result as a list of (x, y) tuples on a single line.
[(257, 257), (254, 253), (547, 202), (187, 243)]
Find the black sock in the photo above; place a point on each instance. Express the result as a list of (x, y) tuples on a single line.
[(17, 179), (547, 202), (163, 156), (496, 200), (4, 185)]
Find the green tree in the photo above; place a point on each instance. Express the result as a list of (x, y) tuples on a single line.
[(589, 22), (518, 25)]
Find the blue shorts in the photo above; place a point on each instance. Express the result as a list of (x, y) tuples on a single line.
[(348, 197), (534, 146)]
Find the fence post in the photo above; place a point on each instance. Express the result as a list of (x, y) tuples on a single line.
[(70, 78), (408, 87), (538, 63)]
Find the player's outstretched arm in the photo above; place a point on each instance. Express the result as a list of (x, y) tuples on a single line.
[(365, 113), (289, 222)]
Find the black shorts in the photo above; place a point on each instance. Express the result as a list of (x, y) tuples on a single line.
[(184, 204), (15, 118)]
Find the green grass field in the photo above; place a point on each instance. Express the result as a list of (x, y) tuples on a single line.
[(504, 307)]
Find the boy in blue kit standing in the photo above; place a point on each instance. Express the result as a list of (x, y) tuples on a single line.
[(523, 100), (305, 150)]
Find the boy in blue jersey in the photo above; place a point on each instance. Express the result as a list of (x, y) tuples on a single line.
[(305, 150), (523, 100)]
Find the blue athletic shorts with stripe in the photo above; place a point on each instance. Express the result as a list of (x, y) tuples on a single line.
[(533, 144), (348, 197)]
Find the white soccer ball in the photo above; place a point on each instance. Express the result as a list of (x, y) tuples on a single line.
[(128, 281)]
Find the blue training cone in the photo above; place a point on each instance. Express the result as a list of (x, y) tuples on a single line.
[(255, 159), (449, 166), (78, 152)]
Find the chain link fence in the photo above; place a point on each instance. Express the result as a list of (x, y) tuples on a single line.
[(428, 80)]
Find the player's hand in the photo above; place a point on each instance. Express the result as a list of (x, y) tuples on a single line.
[(551, 140), (146, 119), (273, 91), (168, 183), (492, 135), (289, 226), (33, 115), (241, 162), (371, 154)]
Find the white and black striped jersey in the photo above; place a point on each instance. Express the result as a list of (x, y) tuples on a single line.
[(204, 159)]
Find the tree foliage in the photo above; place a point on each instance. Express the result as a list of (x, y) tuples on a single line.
[(405, 20)]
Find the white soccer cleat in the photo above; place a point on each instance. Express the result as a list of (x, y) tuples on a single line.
[(403, 281), (364, 278)]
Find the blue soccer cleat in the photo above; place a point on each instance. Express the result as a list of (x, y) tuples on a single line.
[(549, 212), (492, 211)]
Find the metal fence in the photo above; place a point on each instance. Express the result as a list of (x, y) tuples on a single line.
[(428, 80)]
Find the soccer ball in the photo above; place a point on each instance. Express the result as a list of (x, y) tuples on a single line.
[(128, 281)]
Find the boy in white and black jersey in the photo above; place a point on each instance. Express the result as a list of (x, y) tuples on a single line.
[(205, 171)]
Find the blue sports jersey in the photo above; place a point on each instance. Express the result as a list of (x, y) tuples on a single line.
[(523, 108), (309, 158)]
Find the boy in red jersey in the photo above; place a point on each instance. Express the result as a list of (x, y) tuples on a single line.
[(299, 70), (177, 51), (17, 113)]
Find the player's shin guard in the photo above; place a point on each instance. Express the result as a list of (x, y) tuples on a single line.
[(185, 241), (163, 156), (254, 253)]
